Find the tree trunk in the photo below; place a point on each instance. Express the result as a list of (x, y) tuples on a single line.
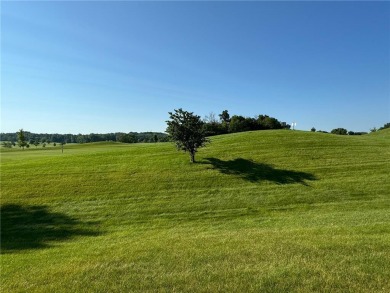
[(192, 154)]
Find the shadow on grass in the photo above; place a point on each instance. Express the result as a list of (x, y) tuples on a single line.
[(35, 227), (255, 172)]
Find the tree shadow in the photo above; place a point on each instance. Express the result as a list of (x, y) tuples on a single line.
[(35, 227), (255, 172)]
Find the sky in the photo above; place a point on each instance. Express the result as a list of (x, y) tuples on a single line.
[(100, 67)]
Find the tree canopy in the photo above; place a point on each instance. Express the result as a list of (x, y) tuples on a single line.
[(341, 131), (187, 131)]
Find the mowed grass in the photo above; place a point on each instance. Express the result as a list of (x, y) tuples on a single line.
[(266, 211)]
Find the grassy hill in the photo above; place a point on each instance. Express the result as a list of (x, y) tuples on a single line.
[(266, 211)]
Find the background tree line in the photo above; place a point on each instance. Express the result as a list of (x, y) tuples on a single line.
[(45, 138), (343, 131), (237, 123)]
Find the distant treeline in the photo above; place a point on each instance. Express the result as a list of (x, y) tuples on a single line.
[(131, 137), (212, 126), (237, 123), (343, 131)]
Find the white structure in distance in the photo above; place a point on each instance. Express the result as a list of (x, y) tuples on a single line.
[(293, 125)]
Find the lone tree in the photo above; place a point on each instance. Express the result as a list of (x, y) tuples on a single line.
[(186, 130), (22, 139)]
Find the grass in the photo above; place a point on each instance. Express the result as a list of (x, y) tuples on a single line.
[(267, 211)]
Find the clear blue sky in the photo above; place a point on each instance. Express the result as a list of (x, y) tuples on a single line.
[(82, 67)]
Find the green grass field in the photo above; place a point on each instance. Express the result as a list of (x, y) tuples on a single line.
[(266, 211)]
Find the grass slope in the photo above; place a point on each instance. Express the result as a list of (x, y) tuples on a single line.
[(267, 211)]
